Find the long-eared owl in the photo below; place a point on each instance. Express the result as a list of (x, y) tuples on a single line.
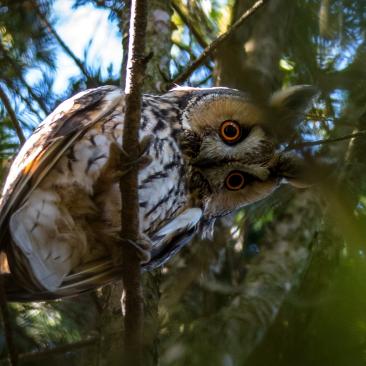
[(210, 152)]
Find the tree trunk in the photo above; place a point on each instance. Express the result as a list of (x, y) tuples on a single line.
[(249, 59)]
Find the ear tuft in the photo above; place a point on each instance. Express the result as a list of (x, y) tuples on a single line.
[(290, 106), (296, 99)]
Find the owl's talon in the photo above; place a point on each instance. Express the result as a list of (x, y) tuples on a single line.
[(143, 246), (142, 161), (124, 152), (145, 143)]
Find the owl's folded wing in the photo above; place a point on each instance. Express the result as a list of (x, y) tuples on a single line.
[(173, 237), (49, 141)]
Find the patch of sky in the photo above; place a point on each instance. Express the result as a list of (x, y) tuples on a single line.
[(339, 99), (207, 6), (83, 28), (340, 50)]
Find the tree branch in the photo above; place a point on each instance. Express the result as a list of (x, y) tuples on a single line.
[(29, 105), (188, 49), (59, 349), (215, 43), (136, 65), (4, 98), (325, 141), (38, 99), (189, 24), (21, 78), (25, 100)]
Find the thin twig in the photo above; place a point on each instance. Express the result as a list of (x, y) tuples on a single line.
[(29, 105), (4, 98), (20, 76), (189, 24), (63, 45), (184, 47), (324, 141), (215, 43), (202, 81), (189, 50), (131, 274), (27, 101), (37, 98)]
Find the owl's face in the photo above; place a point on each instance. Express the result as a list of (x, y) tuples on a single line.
[(229, 141)]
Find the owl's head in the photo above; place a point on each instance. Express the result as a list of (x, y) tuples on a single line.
[(230, 142)]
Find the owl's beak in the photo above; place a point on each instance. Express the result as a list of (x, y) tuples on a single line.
[(260, 172), (205, 162)]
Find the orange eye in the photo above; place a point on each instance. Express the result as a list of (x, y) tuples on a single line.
[(230, 131), (235, 180)]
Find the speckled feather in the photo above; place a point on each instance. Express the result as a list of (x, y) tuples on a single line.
[(67, 223)]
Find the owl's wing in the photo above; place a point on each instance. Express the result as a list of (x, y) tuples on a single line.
[(166, 243), (49, 141), (173, 236)]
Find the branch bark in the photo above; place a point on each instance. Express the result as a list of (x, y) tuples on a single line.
[(136, 65), (4, 98), (208, 51)]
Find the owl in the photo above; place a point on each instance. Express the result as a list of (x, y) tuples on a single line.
[(210, 151)]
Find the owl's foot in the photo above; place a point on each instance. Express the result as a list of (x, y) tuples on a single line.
[(145, 143), (142, 161), (143, 245)]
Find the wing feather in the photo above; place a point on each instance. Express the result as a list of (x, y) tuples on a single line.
[(48, 143), (172, 237)]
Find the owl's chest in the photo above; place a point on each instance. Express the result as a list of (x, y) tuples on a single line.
[(162, 184)]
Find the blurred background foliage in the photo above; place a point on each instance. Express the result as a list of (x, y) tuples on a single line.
[(283, 281)]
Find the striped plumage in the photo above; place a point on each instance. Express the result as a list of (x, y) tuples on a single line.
[(60, 208)]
